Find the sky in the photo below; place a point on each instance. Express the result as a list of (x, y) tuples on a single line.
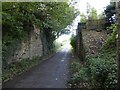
[(99, 5), (81, 5)]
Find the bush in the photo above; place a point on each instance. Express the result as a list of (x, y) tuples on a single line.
[(73, 42), (17, 68), (103, 71), (75, 67), (111, 40), (97, 72), (100, 70), (110, 28), (80, 77)]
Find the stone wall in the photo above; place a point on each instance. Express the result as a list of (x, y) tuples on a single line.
[(29, 48), (79, 42), (95, 24)]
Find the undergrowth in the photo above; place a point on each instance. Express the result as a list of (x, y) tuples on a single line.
[(17, 68), (98, 71)]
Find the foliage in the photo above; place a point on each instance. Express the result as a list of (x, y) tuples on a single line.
[(112, 38), (75, 66), (93, 14), (73, 42), (46, 15), (101, 15), (83, 18), (109, 12), (19, 18), (57, 45), (111, 29), (98, 71), (9, 51), (17, 68), (102, 67), (79, 79)]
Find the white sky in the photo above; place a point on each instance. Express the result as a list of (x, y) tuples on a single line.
[(81, 5), (99, 5)]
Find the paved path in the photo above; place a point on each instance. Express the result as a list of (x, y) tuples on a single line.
[(51, 73)]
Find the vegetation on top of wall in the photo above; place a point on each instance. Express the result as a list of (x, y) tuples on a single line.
[(99, 71), (112, 38)]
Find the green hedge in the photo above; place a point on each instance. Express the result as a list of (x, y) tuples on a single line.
[(98, 72), (112, 38), (73, 42)]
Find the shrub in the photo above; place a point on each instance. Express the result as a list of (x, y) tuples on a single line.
[(17, 68), (110, 28), (97, 72), (111, 40), (100, 70), (80, 76), (103, 72), (75, 67), (73, 42)]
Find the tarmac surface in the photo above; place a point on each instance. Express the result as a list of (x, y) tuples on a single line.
[(51, 73)]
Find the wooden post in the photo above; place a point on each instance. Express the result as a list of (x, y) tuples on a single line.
[(118, 44)]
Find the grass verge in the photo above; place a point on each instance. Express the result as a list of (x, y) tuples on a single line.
[(18, 68)]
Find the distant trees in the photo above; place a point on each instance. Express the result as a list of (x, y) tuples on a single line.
[(91, 14), (108, 16), (83, 17)]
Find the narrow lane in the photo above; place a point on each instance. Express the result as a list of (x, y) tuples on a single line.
[(51, 73)]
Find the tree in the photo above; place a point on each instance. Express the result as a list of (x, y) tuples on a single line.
[(88, 9), (101, 15), (19, 18), (93, 13), (109, 12), (83, 17), (52, 15)]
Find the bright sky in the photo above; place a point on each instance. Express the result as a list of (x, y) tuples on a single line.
[(81, 5), (98, 4)]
